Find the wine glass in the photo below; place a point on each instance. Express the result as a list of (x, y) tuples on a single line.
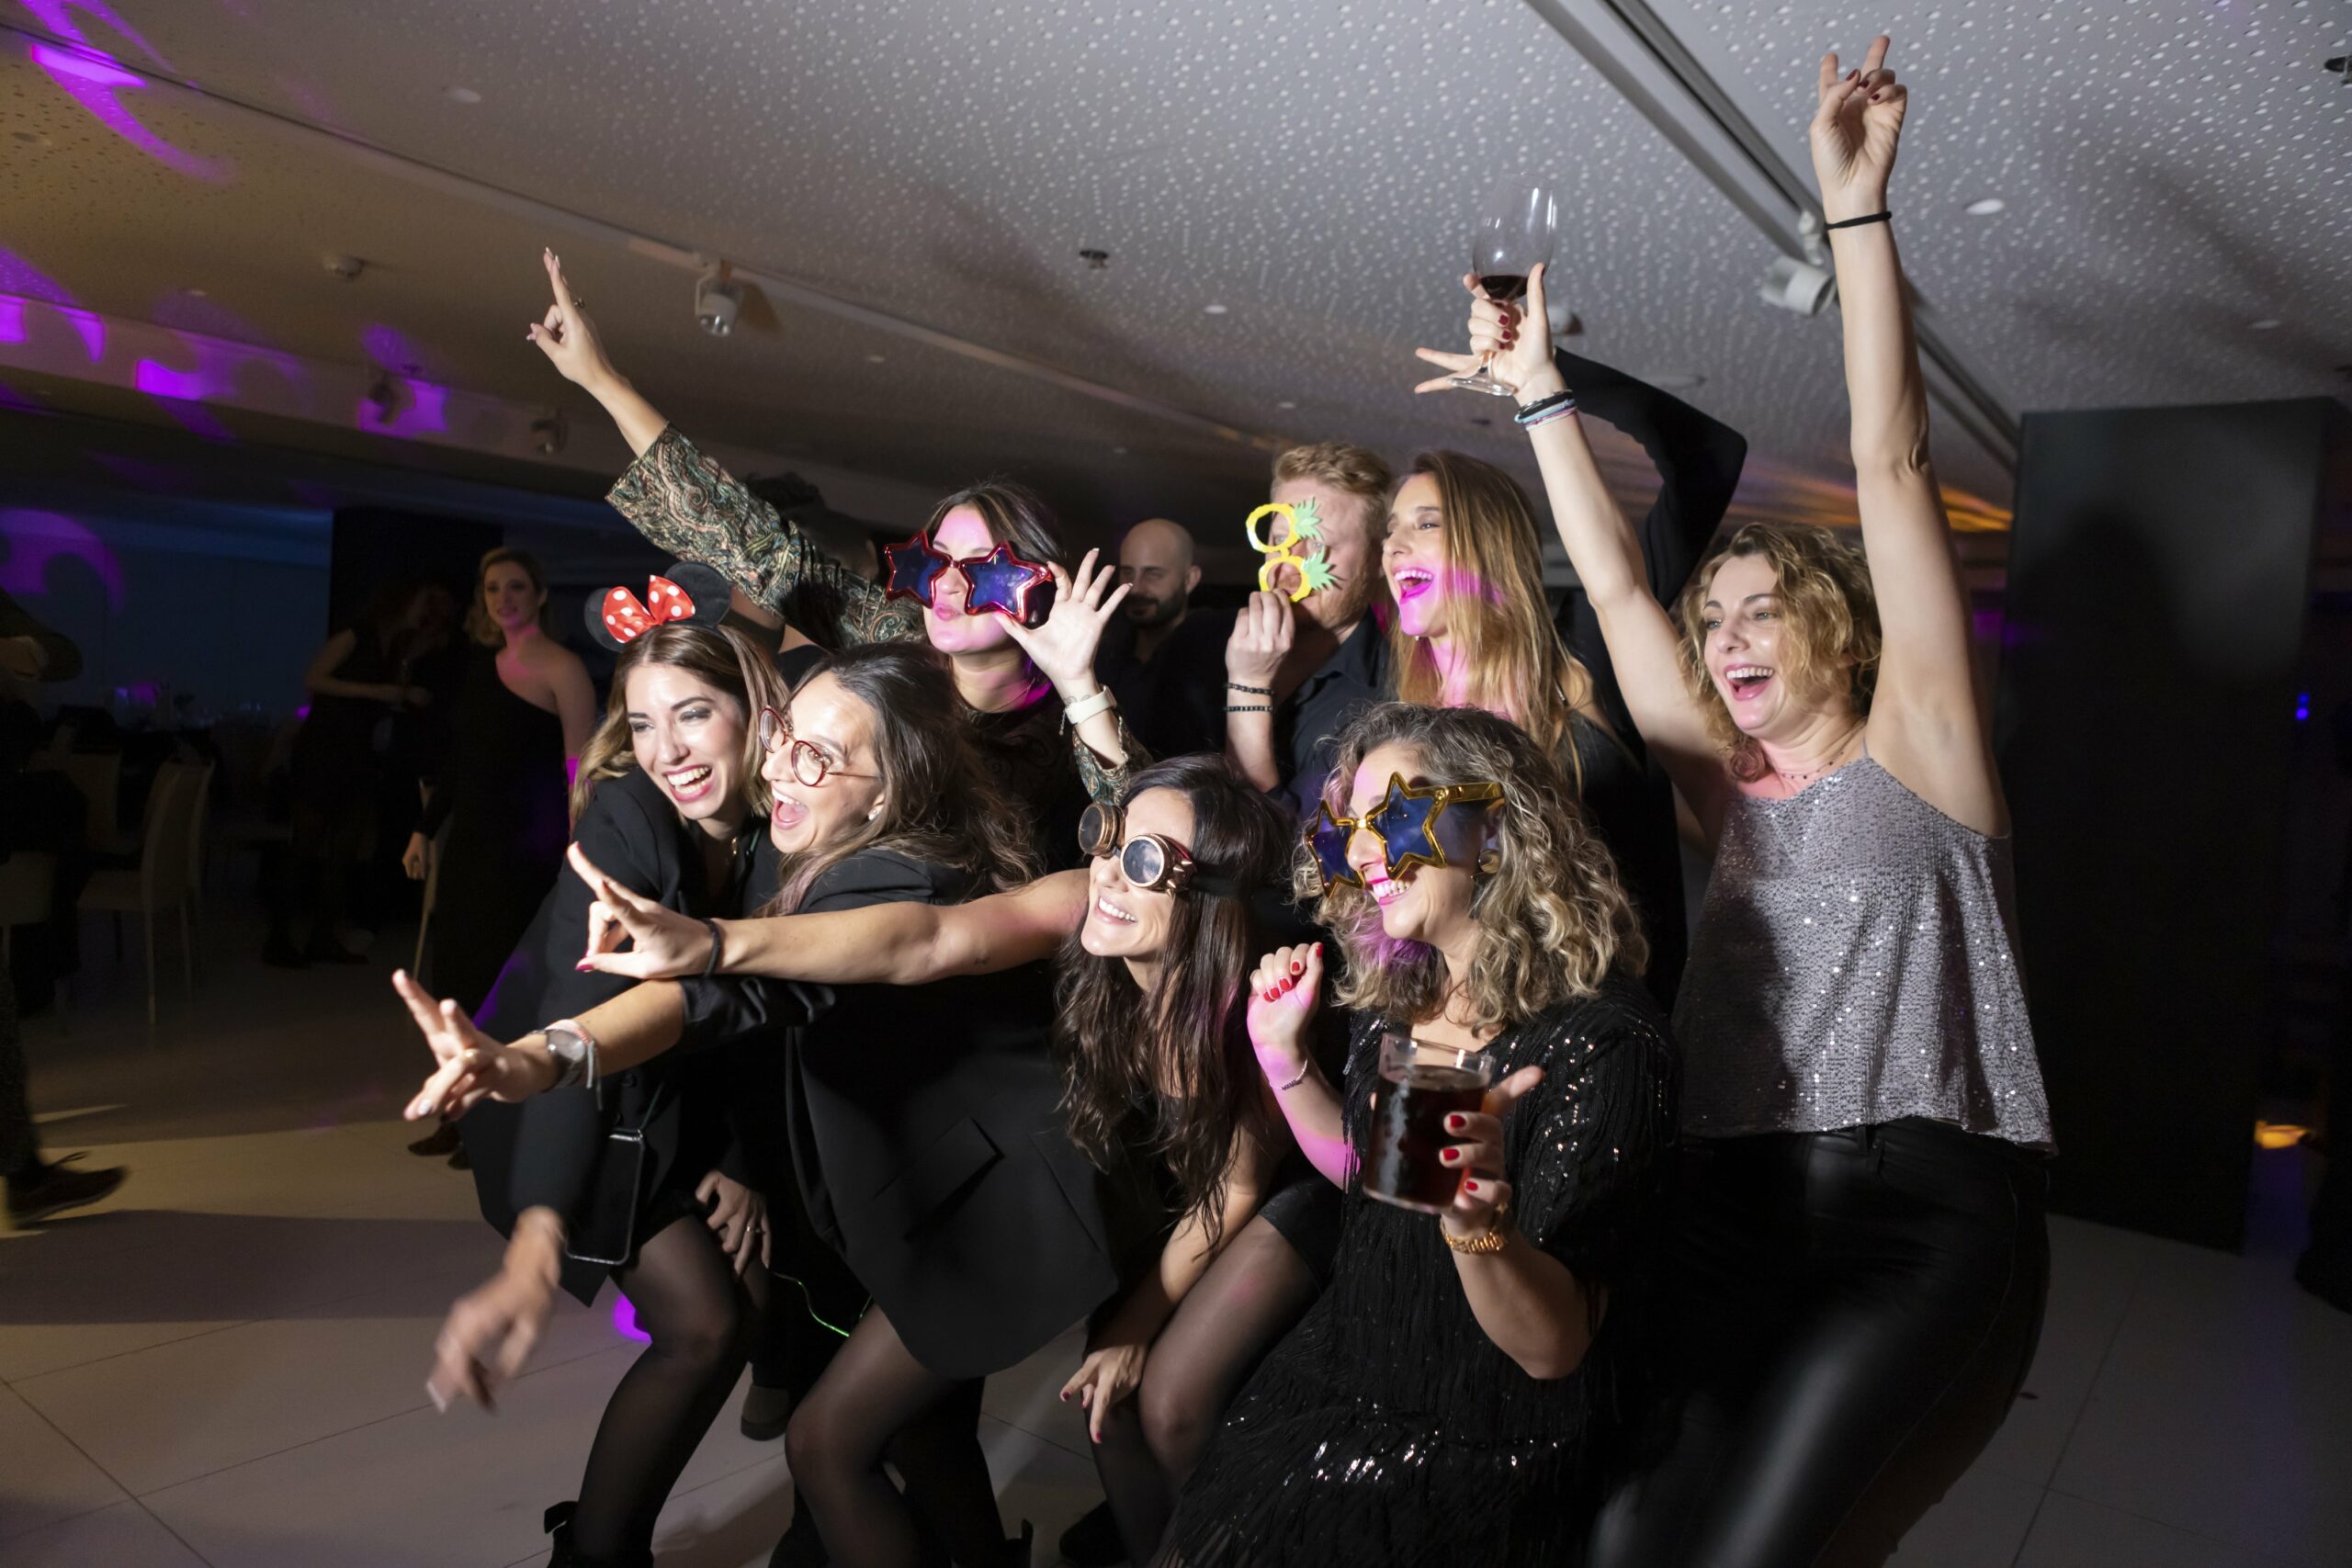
[(1514, 236)]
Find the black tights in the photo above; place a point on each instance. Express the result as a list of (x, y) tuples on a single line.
[(1251, 1296), (876, 1401), (701, 1319)]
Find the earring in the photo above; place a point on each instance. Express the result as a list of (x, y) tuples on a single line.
[(1490, 861)]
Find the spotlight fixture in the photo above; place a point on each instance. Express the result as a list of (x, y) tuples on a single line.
[(549, 432), (1096, 261), (342, 266), (716, 301), (1797, 285)]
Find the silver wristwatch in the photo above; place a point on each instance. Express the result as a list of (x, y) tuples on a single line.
[(575, 1057)]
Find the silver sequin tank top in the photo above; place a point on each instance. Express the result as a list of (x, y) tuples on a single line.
[(1853, 964)]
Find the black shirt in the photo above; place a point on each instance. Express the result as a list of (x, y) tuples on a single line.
[(1173, 702), (1307, 722)]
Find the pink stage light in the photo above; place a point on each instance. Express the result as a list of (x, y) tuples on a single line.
[(94, 81), (625, 1321)]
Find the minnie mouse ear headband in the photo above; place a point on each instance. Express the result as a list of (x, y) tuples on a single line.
[(686, 591)]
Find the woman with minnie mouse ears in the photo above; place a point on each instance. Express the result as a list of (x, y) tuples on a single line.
[(641, 1180), (982, 582)]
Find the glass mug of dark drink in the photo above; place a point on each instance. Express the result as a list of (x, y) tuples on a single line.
[(1420, 1086)]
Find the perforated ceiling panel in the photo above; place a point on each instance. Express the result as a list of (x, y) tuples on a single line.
[(1309, 166), (2172, 174)]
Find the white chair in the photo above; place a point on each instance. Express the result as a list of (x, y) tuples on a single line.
[(159, 883)]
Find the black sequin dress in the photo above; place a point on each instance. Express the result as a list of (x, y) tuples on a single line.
[(1388, 1429)]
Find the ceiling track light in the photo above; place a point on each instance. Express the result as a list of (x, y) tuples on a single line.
[(549, 432), (1801, 286), (717, 301)]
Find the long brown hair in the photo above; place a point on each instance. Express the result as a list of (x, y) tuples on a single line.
[(1830, 611), (1553, 918), (479, 625), (1496, 611), (719, 657), (1015, 514), (1121, 1049), (940, 802)]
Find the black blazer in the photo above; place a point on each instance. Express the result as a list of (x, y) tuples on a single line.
[(926, 1134), (545, 1151)]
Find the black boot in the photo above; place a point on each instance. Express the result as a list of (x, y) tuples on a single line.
[(557, 1523)]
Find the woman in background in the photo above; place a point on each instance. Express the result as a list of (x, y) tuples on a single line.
[(524, 710)]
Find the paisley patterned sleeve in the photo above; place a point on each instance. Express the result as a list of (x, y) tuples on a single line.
[(1104, 784), (690, 506)]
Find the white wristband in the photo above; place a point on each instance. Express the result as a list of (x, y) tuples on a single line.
[(1085, 708)]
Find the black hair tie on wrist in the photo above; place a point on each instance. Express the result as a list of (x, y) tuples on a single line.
[(1887, 217), (710, 964)]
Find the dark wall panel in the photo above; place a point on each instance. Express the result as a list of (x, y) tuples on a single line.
[(2158, 581)]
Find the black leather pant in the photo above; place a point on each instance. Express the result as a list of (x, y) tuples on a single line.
[(1855, 1311)]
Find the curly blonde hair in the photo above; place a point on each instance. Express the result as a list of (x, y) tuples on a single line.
[(1553, 919), (1828, 607)]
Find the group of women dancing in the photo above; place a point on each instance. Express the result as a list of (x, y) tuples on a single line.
[(888, 1020)]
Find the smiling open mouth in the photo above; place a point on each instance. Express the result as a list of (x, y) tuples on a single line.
[(1384, 890), (1747, 681), (687, 784), (1412, 582), (1110, 912)]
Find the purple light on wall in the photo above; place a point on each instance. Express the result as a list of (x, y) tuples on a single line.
[(2302, 708), (57, 15), (391, 348), (19, 276), (36, 538), (93, 81), (625, 1321), (419, 408)]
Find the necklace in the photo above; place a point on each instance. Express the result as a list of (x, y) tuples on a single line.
[(1797, 781)]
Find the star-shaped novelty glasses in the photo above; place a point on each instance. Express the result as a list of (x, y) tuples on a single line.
[(997, 580), (1405, 821)]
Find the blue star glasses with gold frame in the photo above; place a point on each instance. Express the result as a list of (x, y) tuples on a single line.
[(1406, 821)]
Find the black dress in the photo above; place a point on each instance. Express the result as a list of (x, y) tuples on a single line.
[(548, 1151), (1388, 1428), (501, 788), (1635, 818)]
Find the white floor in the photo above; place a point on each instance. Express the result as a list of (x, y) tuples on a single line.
[(224, 1365)]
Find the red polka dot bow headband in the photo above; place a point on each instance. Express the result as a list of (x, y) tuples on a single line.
[(684, 592)]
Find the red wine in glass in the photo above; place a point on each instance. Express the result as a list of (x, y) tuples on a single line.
[(1420, 1085), (1515, 234)]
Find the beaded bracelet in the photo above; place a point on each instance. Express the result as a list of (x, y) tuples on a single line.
[(1249, 707), (1253, 691)]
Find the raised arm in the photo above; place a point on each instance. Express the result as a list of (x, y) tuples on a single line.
[(1640, 635), (690, 506), (1698, 458), (1925, 725), (1284, 991)]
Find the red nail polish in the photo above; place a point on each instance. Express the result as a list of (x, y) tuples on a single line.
[(1450, 1156), (1468, 1186), (1297, 966), (1454, 1122)]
